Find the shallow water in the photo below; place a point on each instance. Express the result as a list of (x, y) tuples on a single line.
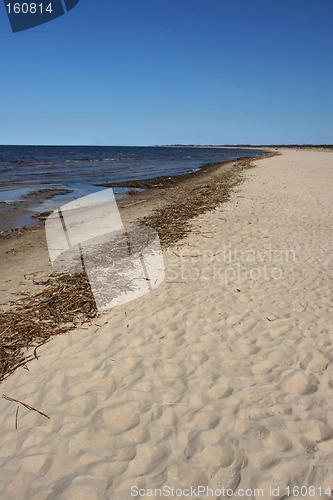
[(25, 169)]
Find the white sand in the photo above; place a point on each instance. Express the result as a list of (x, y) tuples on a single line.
[(221, 377)]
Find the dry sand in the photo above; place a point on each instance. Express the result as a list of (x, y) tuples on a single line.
[(219, 378)]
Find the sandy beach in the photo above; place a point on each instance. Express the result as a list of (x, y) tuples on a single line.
[(219, 380)]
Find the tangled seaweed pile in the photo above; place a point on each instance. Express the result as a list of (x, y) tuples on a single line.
[(66, 301), (172, 222)]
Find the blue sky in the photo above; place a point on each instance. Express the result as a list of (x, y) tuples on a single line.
[(146, 72)]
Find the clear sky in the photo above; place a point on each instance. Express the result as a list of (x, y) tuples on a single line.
[(146, 72)]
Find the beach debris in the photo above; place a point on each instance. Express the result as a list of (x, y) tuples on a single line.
[(68, 300), (47, 193), (64, 303), (31, 408), (41, 215), (172, 222), (16, 418)]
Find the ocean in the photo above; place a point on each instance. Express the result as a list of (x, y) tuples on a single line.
[(25, 169)]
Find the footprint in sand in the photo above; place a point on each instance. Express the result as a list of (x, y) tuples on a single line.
[(319, 363), (118, 419), (181, 474), (228, 477), (299, 383), (280, 358), (221, 464), (278, 441), (250, 429)]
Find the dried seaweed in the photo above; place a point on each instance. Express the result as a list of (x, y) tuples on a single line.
[(67, 299), (172, 222), (65, 302)]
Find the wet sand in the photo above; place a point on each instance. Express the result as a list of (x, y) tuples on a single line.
[(18, 217)]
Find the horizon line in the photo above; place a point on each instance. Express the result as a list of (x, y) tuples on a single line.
[(176, 145)]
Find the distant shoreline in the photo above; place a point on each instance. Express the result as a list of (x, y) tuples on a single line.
[(239, 146)]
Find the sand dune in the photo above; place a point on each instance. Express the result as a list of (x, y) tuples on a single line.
[(219, 378)]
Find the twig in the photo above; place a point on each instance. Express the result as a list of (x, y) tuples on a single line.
[(26, 406), (134, 203), (17, 410)]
